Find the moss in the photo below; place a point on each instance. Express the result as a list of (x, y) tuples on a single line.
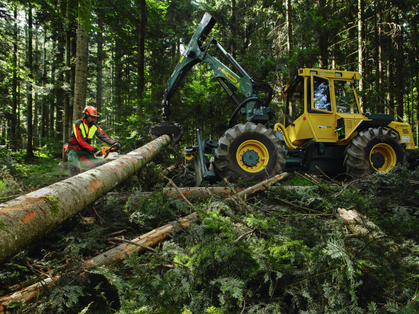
[(3, 226), (53, 203)]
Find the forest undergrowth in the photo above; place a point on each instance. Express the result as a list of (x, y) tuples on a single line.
[(285, 250)]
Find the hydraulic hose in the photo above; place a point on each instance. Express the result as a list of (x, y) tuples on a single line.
[(239, 107), (280, 127)]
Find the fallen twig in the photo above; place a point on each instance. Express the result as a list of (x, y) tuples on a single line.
[(240, 200), (296, 206), (234, 217), (183, 196)]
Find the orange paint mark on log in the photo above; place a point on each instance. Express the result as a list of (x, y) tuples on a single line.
[(259, 189), (27, 202), (94, 185), (28, 216)]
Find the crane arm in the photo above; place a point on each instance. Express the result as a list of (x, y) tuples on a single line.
[(196, 52)]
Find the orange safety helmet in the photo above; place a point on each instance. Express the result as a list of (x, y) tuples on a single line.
[(90, 111)]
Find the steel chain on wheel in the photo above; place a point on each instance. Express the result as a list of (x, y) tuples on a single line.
[(373, 150), (249, 151)]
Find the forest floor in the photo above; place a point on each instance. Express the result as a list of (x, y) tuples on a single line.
[(287, 249)]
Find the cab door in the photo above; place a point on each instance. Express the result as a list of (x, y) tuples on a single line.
[(320, 110)]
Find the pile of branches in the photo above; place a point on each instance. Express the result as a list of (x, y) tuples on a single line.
[(307, 244)]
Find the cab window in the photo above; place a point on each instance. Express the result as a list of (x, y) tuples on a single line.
[(321, 94), (345, 97), (295, 100)]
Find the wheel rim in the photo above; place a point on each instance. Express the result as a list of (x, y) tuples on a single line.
[(382, 157), (252, 156)]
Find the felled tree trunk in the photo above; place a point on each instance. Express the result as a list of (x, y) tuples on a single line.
[(203, 192), (27, 218), (262, 186), (198, 192), (141, 243), (116, 254)]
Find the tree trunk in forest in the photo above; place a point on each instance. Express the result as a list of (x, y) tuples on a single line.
[(399, 61), (415, 20), (361, 62), (380, 71), (13, 124), (142, 22), (390, 97), (99, 64), (80, 84), (44, 104), (233, 28), (323, 36), (289, 27), (335, 47), (27, 218), (390, 58), (29, 148), (35, 130), (67, 93), (118, 98), (59, 94)]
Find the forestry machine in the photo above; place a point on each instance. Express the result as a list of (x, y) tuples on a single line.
[(323, 128)]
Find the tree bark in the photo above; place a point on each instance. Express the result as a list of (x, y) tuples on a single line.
[(289, 28), (27, 218), (67, 78), (29, 148), (416, 72), (99, 64), (13, 124), (142, 21), (323, 36), (361, 43), (399, 75), (380, 69), (80, 84)]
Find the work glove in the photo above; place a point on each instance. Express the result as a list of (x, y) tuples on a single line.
[(97, 152), (117, 146)]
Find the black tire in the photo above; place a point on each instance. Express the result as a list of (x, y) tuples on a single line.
[(373, 150), (261, 153)]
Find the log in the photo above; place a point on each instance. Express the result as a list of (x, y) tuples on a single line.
[(116, 254), (198, 192), (25, 294), (202, 192), (149, 239), (28, 218), (262, 186), (361, 226)]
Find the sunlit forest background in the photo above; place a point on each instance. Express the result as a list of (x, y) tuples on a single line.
[(130, 48)]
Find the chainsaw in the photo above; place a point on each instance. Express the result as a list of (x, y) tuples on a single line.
[(111, 152)]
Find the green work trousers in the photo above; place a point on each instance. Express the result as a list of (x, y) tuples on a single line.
[(79, 159)]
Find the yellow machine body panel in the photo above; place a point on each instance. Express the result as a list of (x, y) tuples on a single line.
[(405, 131)]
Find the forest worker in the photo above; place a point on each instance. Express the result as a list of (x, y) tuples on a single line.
[(80, 147)]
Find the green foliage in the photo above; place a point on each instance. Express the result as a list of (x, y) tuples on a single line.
[(281, 260), (65, 297), (151, 211)]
